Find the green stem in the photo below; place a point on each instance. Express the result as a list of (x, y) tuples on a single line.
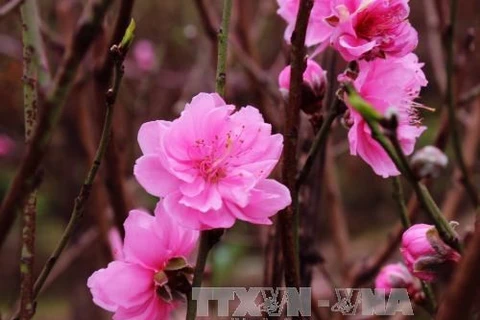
[(444, 228), (451, 104), (398, 195), (222, 38), (400, 200), (208, 238)]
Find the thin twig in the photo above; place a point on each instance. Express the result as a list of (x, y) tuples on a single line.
[(430, 303), (114, 174), (208, 238), (26, 177), (287, 217), (254, 70), (320, 140), (119, 53), (451, 104), (10, 6)]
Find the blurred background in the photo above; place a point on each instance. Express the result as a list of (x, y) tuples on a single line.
[(348, 216)]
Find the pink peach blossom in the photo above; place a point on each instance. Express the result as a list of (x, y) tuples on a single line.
[(356, 28), (396, 275), (425, 254), (388, 84), (128, 286), (211, 165)]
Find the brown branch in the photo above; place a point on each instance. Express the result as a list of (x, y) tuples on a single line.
[(464, 288), (26, 177), (287, 217)]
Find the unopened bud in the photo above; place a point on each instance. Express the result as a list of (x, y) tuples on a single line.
[(425, 254), (313, 87), (428, 162)]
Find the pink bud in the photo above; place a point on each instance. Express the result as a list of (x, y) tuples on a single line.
[(314, 85), (144, 55), (425, 254), (6, 145), (397, 276)]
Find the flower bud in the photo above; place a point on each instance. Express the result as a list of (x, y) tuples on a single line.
[(144, 55), (429, 162), (425, 253), (313, 87), (397, 276)]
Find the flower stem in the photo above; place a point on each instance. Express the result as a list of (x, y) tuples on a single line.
[(430, 301), (222, 38), (451, 104), (399, 198), (208, 238), (393, 149)]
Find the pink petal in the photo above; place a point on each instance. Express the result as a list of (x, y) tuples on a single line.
[(178, 240), (195, 219), (140, 238), (153, 176), (121, 284), (266, 199), (150, 136), (155, 308)]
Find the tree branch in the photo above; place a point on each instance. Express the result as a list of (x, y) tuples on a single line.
[(287, 217), (26, 177)]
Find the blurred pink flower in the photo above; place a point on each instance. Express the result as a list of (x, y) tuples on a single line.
[(129, 287), (144, 55), (424, 252), (388, 84), (211, 165), (6, 145), (357, 28), (397, 276)]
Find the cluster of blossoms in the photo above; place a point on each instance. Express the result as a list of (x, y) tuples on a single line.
[(210, 167), (377, 35)]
